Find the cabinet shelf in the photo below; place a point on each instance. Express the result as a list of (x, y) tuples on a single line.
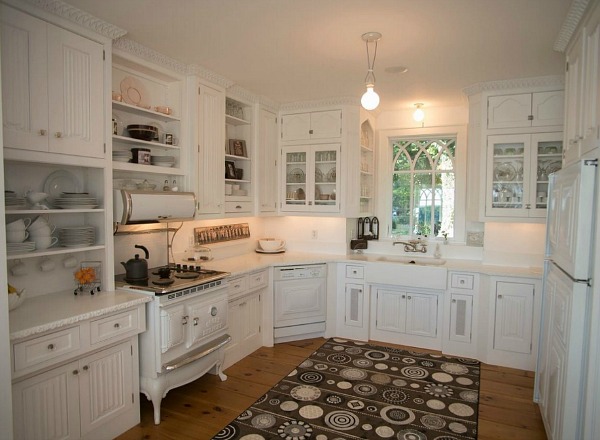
[(52, 251), (234, 157), (143, 112), (366, 148), (154, 169), (130, 140), (235, 121), (236, 181), (50, 211)]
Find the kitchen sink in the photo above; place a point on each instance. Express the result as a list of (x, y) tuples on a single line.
[(402, 259)]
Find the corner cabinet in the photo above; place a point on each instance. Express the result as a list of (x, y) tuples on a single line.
[(353, 302), (312, 178), (311, 126), (517, 173), (538, 109), (462, 305), (52, 88), (267, 193)]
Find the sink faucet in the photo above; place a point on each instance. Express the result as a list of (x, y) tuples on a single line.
[(413, 246)]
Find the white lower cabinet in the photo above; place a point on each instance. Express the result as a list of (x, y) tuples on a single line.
[(245, 314), (353, 303), (461, 308), (406, 316)]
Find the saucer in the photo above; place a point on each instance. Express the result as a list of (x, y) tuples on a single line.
[(277, 251)]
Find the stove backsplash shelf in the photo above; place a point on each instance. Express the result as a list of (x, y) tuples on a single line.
[(221, 233)]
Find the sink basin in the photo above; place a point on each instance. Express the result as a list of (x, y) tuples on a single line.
[(427, 261)]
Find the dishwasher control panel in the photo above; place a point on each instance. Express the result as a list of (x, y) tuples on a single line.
[(299, 272)]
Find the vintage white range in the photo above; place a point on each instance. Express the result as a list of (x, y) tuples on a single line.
[(187, 327)]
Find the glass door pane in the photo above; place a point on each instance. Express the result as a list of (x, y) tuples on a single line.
[(295, 177), (325, 177), (508, 171), (549, 160)]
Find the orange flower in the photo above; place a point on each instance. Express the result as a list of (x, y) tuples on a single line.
[(85, 275)]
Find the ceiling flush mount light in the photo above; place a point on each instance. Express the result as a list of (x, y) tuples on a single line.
[(419, 114), (370, 100)]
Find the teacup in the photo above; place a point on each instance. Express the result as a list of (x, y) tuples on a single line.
[(42, 231), (46, 265), (19, 268), (18, 225), (38, 222), (271, 244), (17, 236), (70, 262), (45, 242)]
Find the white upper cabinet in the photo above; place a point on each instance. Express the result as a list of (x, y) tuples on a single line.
[(574, 98), (52, 88), (310, 126), (267, 162), (539, 109)]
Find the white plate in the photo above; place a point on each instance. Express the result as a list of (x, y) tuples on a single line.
[(134, 92), (278, 251), (78, 207), (59, 182)]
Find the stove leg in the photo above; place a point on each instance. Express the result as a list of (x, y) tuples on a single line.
[(155, 390)]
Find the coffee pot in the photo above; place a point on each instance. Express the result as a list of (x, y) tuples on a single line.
[(137, 268)]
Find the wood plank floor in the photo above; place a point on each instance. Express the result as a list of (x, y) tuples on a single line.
[(200, 409)]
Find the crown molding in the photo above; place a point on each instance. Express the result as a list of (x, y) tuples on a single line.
[(574, 16), (519, 83), (329, 102), (268, 104), (82, 18), (209, 75), (236, 91), (134, 48)]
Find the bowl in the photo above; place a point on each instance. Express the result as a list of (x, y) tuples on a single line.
[(142, 132), (16, 299), (324, 197), (36, 197), (271, 244)]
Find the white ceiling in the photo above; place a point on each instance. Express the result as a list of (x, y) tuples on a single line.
[(297, 50)]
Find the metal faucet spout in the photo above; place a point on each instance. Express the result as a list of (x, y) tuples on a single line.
[(412, 245)]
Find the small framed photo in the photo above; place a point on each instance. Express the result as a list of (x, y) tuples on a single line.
[(237, 147), (230, 170)]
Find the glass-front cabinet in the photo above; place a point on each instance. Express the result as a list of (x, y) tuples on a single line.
[(312, 178), (517, 173)]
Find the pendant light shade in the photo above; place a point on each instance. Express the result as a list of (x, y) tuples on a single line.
[(419, 114), (370, 99)]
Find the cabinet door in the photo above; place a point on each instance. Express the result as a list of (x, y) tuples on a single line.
[(24, 80), (555, 387), (295, 170), (325, 176), (295, 127), (326, 125), (461, 316), (75, 94), (574, 83), (106, 386), (172, 322), (250, 314), (513, 317), (211, 150), (300, 301), (267, 162), (421, 314), (46, 405), (391, 310), (354, 305), (546, 158), (547, 108), (509, 111), (591, 103)]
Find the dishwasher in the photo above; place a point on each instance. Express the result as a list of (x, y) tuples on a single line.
[(300, 303)]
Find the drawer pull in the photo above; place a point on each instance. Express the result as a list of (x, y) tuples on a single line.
[(238, 207), (51, 347), (42, 132), (195, 321), (58, 135), (184, 320), (75, 372), (237, 286), (116, 325)]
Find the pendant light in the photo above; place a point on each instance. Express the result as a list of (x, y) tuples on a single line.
[(419, 114), (370, 100)]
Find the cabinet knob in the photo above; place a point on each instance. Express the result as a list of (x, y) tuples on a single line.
[(403, 296), (75, 372), (310, 132), (184, 320), (499, 296), (454, 301), (42, 132), (530, 118), (117, 325), (85, 368), (50, 347), (213, 311), (409, 297), (195, 321), (238, 207), (58, 134), (527, 206)]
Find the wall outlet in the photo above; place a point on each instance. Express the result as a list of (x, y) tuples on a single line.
[(315, 234)]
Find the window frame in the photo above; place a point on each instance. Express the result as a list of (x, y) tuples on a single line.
[(385, 169)]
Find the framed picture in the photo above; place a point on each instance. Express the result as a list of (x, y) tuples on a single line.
[(229, 170), (237, 147)]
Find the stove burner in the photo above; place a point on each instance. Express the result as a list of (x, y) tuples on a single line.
[(163, 282), (186, 275), (139, 281)]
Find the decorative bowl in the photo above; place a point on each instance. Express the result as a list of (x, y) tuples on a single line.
[(142, 132), (271, 244), (16, 299)]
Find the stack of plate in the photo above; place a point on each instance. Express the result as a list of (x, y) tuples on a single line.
[(121, 156), (73, 200), (162, 161), (11, 201), (17, 248), (77, 236)]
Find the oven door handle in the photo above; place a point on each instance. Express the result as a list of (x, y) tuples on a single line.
[(204, 351)]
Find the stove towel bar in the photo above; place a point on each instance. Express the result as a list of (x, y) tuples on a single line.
[(202, 351)]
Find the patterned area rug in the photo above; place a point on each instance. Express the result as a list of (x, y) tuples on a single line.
[(352, 390)]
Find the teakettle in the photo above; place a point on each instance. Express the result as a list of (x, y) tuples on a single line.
[(137, 268)]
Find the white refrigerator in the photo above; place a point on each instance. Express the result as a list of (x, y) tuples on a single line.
[(564, 348)]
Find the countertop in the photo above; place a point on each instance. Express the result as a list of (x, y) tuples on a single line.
[(47, 312), (255, 261)]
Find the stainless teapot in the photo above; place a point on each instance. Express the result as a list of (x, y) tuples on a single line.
[(137, 268)]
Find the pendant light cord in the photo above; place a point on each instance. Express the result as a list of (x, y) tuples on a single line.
[(370, 65)]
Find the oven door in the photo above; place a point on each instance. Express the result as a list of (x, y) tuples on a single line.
[(173, 321), (206, 317)]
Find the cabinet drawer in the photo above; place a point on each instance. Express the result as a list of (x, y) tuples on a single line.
[(357, 272), (238, 286), (46, 348), (113, 326), (258, 279), (462, 281), (232, 206)]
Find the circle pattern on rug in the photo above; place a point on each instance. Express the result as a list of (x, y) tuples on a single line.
[(410, 434), (442, 377), (468, 361), (436, 404), (438, 390), (245, 415), (339, 358), (365, 389), (293, 372), (464, 381), (229, 432), (453, 368), (262, 398), (311, 412), (376, 355), (288, 405), (400, 382), (384, 431), (353, 374), (311, 377), (381, 366), (397, 415), (414, 372), (394, 396), (362, 363), (354, 350), (427, 364), (334, 399), (295, 430), (469, 396), (338, 348), (457, 428), (305, 392), (431, 421), (341, 420), (343, 385), (460, 409), (306, 364), (252, 437), (262, 421), (381, 379)]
